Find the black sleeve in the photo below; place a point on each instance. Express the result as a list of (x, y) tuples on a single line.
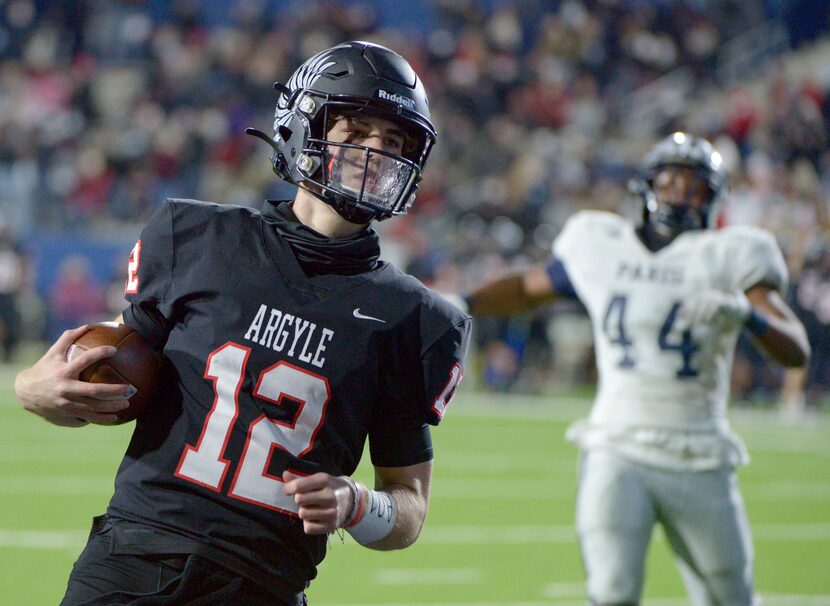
[(560, 279), (394, 446), (147, 321), (150, 283), (401, 435), (442, 367)]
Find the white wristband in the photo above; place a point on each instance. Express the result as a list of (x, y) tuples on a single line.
[(356, 503), (375, 518)]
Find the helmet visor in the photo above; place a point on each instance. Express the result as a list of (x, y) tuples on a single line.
[(374, 179)]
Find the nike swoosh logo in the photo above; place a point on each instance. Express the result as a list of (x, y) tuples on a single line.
[(356, 313)]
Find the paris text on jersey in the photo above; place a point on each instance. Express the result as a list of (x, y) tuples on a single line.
[(668, 274)]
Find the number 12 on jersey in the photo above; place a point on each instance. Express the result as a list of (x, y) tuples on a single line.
[(614, 327), (205, 464)]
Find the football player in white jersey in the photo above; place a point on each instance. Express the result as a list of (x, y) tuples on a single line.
[(667, 298)]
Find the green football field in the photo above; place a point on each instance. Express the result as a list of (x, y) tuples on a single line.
[(500, 528)]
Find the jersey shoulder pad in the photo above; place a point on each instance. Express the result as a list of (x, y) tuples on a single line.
[(596, 219), (755, 256), (197, 224), (429, 303), (746, 233), (418, 305), (186, 212), (585, 228)]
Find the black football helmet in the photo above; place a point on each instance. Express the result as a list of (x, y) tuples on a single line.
[(682, 149), (353, 78)]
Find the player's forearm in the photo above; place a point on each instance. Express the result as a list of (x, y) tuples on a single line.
[(411, 514), (784, 339), (506, 296), (391, 516), (776, 328)]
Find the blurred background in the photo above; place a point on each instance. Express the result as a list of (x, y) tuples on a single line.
[(544, 107)]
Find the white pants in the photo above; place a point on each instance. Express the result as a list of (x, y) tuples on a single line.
[(702, 514)]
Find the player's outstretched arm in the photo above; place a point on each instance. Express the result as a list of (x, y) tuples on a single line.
[(408, 489), (776, 328), (51, 389), (513, 293), (389, 517)]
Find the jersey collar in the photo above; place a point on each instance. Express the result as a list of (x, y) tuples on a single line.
[(318, 254)]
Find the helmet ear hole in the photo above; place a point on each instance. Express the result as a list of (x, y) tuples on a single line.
[(284, 132)]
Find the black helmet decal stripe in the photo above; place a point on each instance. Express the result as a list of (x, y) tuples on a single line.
[(310, 71), (303, 79)]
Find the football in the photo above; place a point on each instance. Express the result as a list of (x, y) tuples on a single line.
[(135, 363)]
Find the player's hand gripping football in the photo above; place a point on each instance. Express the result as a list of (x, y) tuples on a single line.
[(325, 502), (714, 307), (52, 390)]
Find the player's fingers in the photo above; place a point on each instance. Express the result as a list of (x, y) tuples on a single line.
[(66, 339), (685, 317), (103, 391), (96, 405), (99, 418), (85, 412), (321, 515), (79, 361), (289, 480), (316, 528), (711, 309), (318, 521), (701, 312), (65, 421), (315, 498), (80, 407), (304, 484)]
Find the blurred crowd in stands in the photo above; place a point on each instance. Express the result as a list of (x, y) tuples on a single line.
[(544, 107)]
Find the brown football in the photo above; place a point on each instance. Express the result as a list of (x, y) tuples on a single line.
[(135, 363)]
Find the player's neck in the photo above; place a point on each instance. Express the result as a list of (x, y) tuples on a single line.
[(322, 218), (651, 239)]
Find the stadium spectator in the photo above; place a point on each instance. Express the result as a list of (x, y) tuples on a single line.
[(76, 296), (13, 266)]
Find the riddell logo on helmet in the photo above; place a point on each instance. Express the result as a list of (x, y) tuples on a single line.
[(396, 98)]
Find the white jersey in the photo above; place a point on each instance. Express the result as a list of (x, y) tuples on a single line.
[(663, 392)]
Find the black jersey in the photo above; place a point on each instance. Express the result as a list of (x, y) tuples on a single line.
[(267, 369)]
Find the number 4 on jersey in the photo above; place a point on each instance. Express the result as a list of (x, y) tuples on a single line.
[(613, 325), (685, 345)]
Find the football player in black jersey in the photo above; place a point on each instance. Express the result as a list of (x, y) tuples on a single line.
[(286, 343)]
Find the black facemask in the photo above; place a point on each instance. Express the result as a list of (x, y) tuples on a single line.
[(670, 220)]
